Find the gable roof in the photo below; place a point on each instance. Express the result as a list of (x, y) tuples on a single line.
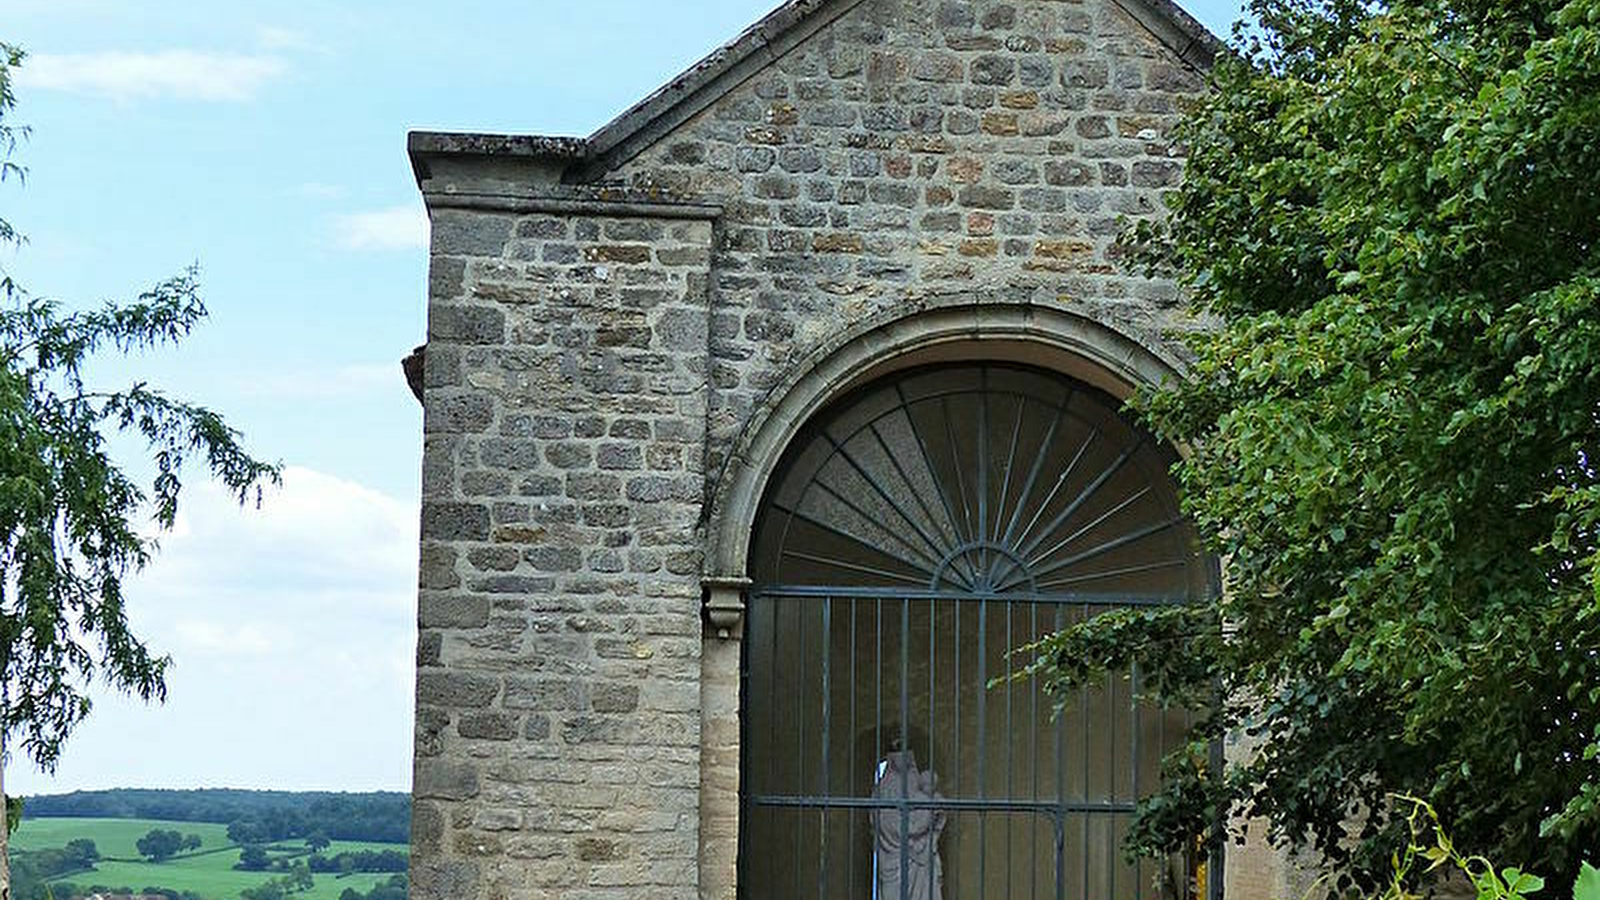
[(725, 68)]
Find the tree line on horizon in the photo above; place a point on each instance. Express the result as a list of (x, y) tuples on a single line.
[(251, 816)]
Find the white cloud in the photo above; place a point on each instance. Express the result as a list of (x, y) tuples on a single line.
[(165, 74), (317, 538), (292, 630), (403, 227)]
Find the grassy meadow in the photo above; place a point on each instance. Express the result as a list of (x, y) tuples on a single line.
[(208, 871)]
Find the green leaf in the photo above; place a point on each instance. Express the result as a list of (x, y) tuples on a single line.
[(1587, 887)]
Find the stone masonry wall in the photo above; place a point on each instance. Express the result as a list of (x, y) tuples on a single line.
[(588, 371), (916, 148), (558, 725)]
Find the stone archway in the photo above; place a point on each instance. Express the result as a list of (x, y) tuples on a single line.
[(948, 330)]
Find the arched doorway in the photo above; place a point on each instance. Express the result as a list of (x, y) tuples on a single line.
[(915, 531)]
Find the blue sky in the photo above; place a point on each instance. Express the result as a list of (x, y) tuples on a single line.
[(266, 142)]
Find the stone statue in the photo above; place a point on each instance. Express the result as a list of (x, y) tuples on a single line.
[(917, 849)]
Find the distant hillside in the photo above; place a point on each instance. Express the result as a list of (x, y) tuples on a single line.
[(254, 815)]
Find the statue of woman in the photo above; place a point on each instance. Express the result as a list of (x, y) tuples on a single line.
[(907, 838)]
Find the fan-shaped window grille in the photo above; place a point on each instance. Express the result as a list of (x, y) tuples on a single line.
[(914, 533)]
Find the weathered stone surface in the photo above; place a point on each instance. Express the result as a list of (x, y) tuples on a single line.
[(452, 611), (437, 779), (466, 324), (589, 371), (455, 690), (492, 726), (464, 233), (454, 521)]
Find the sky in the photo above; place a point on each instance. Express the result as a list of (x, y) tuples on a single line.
[(265, 143)]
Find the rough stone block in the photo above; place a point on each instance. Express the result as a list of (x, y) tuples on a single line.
[(614, 698), (489, 726), (466, 324), (451, 610), (437, 568), (455, 521), (444, 879), (993, 69), (456, 690), (469, 233), (986, 197), (445, 277)]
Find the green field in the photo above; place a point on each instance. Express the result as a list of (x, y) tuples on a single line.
[(208, 871), (112, 837)]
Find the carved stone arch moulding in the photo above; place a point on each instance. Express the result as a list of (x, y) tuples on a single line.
[(960, 328)]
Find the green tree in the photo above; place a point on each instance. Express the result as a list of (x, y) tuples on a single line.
[(159, 844), (271, 889), (252, 858), (317, 840), (299, 878), (82, 853), (69, 515), (246, 831), (1392, 214)]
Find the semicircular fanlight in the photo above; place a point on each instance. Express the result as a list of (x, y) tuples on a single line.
[(978, 478)]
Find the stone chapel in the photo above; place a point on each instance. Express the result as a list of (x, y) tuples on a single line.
[(761, 425)]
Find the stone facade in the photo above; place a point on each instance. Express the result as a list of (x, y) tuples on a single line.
[(622, 329)]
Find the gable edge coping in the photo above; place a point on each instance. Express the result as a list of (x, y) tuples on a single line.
[(716, 75), (723, 70)]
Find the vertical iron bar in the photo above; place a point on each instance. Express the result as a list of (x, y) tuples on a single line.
[(827, 722), (1083, 729), (742, 839), (1133, 752), (1010, 754), (1061, 854), (1111, 761), (1033, 738), (800, 734), (983, 767), (877, 729), (1061, 781), (1166, 865), (905, 741), (932, 606), (955, 692), (877, 738), (772, 607), (850, 827)]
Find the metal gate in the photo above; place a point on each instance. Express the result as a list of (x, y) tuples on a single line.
[(916, 533)]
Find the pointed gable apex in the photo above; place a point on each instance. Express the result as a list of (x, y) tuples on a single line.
[(728, 66)]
